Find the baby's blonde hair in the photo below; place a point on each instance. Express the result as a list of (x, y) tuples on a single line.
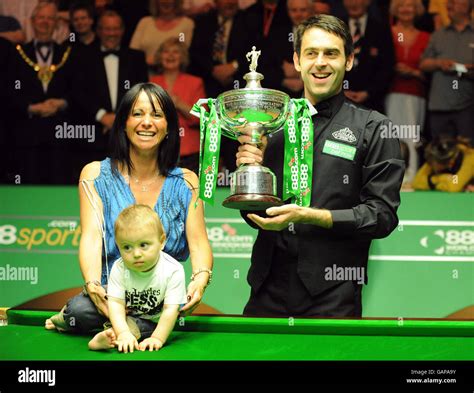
[(136, 216)]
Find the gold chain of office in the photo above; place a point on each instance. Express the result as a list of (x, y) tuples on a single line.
[(45, 73)]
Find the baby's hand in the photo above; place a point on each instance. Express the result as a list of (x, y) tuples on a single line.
[(126, 341), (153, 343)]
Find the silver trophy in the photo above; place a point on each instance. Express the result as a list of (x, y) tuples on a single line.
[(253, 111)]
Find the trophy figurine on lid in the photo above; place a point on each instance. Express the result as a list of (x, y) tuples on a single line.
[(254, 111)]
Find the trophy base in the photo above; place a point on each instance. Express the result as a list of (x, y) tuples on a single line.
[(252, 202)]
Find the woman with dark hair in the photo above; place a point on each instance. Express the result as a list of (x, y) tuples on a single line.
[(142, 169)]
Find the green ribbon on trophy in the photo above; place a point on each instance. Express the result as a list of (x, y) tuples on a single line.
[(298, 154), (210, 142)]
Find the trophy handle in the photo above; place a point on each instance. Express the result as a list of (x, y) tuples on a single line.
[(198, 103)]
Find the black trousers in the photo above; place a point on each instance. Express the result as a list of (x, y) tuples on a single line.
[(283, 294)]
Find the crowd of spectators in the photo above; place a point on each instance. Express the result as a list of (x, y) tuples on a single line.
[(65, 65)]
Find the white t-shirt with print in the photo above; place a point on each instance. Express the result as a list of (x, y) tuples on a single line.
[(145, 293)]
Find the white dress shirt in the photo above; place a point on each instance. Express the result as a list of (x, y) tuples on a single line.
[(111, 63)]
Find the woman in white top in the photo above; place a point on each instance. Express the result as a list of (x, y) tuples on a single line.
[(166, 20)]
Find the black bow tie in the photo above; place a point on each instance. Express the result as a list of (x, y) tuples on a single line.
[(105, 53)]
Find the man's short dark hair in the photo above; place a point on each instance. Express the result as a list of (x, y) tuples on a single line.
[(328, 23), (81, 5)]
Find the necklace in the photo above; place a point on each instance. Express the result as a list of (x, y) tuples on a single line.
[(45, 73), (144, 187)]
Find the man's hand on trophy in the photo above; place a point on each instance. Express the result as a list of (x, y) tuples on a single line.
[(249, 153)]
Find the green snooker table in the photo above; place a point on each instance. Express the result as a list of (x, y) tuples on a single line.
[(242, 338)]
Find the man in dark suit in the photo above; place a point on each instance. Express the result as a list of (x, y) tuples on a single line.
[(38, 92), (269, 26), (218, 48), (311, 260), (103, 75), (217, 54), (374, 56)]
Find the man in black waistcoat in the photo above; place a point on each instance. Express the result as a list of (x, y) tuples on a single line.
[(312, 261)]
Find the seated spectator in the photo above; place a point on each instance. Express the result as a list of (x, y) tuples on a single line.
[(185, 90), (405, 103), (449, 167), (166, 21), (82, 22), (10, 29), (449, 58)]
